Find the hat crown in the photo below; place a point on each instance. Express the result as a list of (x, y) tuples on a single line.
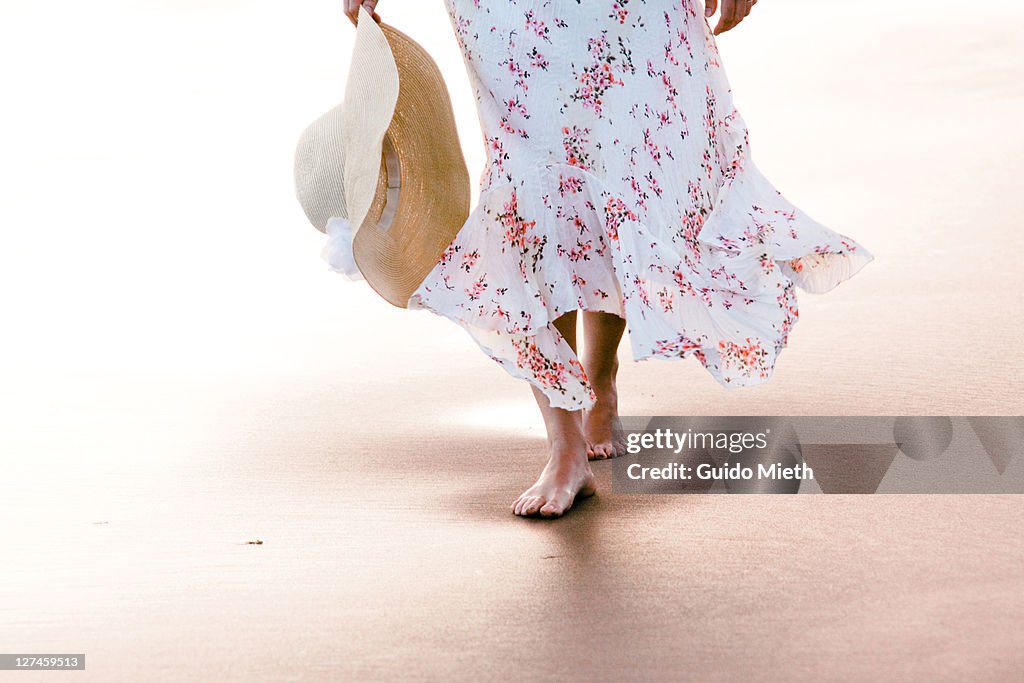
[(320, 170)]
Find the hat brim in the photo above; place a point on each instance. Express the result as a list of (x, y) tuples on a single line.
[(430, 184)]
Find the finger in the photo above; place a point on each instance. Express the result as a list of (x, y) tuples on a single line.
[(750, 6), (739, 8), (710, 6), (728, 17), (352, 10)]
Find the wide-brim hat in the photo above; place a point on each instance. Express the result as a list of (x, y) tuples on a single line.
[(387, 160)]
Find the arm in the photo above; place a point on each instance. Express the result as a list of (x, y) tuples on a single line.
[(733, 12)]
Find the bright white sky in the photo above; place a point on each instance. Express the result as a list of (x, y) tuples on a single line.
[(147, 216)]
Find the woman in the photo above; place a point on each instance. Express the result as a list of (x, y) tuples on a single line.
[(619, 184)]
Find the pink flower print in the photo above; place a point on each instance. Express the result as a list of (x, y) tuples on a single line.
[(729, 244), (517, 229), (711, 116), (684, 125), (469, 260), (665, 299), (653, 183), (695, 192), (529, 357), (735, 164), (462, 29), (693, 223), (709, 170), (500, 312), (615, 213), (496, 154), (671, 93), (619, 11), (727, 279), (682, 282), (515, 106), (641, 196), (713, 56), (537, 60), (676, 347), (537, 26), (521, 74), (506, 126), (652, 148), (684, 40), (569, 185), (670, 55), (598, 77), (758, 234), (580, 252), (575, 141), (640, 287), (449, 253), (519, 233), (476, 289), (748, 358)]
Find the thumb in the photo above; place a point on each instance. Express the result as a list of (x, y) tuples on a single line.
[(709, 7)]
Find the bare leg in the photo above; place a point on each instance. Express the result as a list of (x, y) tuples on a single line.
[(601, 426), (567, 473)]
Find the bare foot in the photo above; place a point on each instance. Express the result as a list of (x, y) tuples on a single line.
[(601, 425), (566, 477)]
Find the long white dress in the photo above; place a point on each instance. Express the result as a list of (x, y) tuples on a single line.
[(619, 179)]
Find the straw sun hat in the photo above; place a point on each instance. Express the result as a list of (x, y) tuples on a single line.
[(382, 173)]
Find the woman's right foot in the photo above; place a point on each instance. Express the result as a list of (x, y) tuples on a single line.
[(566, 477)]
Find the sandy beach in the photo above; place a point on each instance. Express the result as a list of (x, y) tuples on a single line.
[(182, 375)]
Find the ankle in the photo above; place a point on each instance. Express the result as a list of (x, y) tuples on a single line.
[(602, 375), (603, 385), (564, 441), (567, 441)]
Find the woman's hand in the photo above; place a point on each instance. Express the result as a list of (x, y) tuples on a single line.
[(352, 9), (733, 12)]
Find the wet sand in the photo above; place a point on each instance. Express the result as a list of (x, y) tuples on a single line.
[(185, 378)]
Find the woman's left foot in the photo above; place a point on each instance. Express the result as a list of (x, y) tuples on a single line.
[(601, 425)]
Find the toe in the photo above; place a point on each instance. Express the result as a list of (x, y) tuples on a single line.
[(552, 509), (517, 505), (533, 505), (520, 504), (558, 504)]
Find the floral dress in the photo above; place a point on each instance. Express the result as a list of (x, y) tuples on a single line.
[(619, 179)]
